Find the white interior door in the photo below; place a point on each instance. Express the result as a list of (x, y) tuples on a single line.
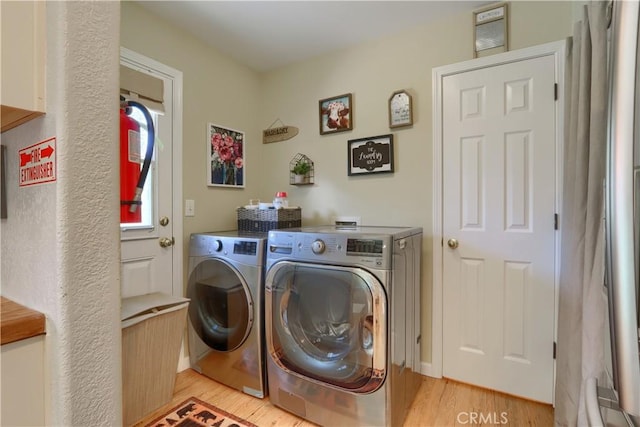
[(498, 202), (149, 258)]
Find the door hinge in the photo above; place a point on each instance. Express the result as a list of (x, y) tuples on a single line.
[(555, 221), (555, 91), (554, 350)]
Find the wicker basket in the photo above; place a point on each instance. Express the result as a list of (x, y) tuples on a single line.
[(261, 220)]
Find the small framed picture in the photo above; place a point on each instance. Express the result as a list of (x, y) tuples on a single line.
[(400, 109), (491, 29), (225, 157), (336, 114), (370, 155)]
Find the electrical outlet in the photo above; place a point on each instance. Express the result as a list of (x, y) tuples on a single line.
[(189, 207)]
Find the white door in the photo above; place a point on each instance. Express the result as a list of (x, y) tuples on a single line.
[(149, 260), (498, 208)]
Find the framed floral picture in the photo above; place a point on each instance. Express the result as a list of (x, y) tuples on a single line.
[(336, 114), (225, 159)]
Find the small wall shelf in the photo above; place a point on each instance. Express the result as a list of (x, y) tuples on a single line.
[(307, 178)]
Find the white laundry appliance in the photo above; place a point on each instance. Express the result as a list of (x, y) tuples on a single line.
[(342, 323), (226, 289)]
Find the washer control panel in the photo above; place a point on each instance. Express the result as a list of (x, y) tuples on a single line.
[(365, 247), (372, 251)]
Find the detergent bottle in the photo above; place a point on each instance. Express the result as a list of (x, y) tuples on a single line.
[(280, 201)]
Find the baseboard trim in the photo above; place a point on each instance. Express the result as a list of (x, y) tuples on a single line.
[(183, 363), (426, 368), (183, 359)]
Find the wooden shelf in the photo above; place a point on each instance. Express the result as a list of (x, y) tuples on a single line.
[(19, 322), (12, 117)]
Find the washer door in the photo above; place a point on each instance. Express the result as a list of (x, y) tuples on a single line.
[(328, 323), (221, 308)]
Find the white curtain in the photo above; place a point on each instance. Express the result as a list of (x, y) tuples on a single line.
[(582, 310)]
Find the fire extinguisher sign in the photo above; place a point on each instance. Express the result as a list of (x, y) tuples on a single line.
[(38, 163)]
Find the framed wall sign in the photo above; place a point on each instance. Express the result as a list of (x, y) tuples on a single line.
[(336, 114), (491, 30), (225, 160), (400, 109), (370, 155)]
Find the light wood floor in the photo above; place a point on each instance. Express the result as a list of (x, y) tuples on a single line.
[(440, 402)]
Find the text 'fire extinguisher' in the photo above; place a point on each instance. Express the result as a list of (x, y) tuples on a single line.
[(132, 177)]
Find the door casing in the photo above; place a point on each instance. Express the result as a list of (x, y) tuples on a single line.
[(131, 57)]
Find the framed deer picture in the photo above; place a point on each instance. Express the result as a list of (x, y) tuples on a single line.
[(336, 114)]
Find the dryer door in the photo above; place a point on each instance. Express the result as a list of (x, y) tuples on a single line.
[(328, 323), (220, 310)]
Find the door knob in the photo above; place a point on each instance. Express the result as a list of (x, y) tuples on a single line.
[(165, 242), (452, 243), (164, 221)]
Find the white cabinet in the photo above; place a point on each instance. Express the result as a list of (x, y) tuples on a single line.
[(22, 378), (23, 61)]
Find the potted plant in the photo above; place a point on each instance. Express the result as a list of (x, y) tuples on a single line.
[(300, 171)]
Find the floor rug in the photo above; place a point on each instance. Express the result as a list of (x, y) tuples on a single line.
[(194, 412)]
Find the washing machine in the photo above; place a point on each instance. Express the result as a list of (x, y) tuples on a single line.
[(226, 289), (342, 323)]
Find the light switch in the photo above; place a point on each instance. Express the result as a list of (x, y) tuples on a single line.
[(189, 207)]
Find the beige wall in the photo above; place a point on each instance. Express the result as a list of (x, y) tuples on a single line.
[(371, 72), (215, 89)]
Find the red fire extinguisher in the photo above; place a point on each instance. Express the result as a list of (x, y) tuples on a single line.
[(132, 177)]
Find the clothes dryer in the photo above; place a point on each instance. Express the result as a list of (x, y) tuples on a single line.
[(342, 317), (226, 288)]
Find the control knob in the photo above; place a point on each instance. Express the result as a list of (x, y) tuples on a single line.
[(217, 246), (318, 247)]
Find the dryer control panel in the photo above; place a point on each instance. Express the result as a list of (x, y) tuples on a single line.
[(230, 246), (243, 247)]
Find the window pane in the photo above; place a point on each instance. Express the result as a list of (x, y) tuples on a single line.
[(148, 206)]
